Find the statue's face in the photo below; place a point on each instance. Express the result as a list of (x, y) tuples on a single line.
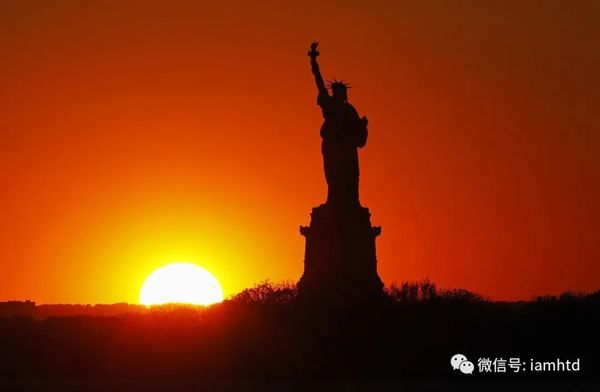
[(340, 94)]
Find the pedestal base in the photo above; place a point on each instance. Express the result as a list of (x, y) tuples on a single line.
[(340, 262)]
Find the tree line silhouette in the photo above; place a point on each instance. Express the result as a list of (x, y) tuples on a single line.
[(263, 333)]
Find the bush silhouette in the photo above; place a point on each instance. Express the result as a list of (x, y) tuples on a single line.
[(427, 291), (267, 293)]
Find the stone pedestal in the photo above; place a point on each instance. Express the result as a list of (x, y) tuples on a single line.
[(340, 262)]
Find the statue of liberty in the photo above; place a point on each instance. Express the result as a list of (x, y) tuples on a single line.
[(343, 131), (340, 260)]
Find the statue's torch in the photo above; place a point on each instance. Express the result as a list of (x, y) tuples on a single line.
[(313, 53)]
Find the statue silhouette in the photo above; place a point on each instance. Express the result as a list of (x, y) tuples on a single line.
[(343, 131), (340, 262)]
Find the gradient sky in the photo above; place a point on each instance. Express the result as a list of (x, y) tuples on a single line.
[(136, 133)]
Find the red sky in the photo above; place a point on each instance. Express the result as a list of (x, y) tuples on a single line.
[(138, 133)]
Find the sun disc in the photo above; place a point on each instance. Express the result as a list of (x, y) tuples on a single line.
[(181, 283)]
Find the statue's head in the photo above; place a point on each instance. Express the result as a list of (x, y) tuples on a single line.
[(339, 89)]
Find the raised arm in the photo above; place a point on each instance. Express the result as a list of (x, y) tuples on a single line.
[(315, 69)]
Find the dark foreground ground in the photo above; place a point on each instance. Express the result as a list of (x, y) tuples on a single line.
[(294, 385), (263, 340)]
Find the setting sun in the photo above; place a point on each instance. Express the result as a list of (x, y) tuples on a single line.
[(181, 283)]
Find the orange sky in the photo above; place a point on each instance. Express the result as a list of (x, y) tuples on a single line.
[(138, 133)]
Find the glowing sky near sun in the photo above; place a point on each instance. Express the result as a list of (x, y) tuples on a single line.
[(138, 133)]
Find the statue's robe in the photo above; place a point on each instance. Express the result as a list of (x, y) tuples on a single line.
[(343, 131)]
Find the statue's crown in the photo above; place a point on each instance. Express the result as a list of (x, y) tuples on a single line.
[(337, 85)]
